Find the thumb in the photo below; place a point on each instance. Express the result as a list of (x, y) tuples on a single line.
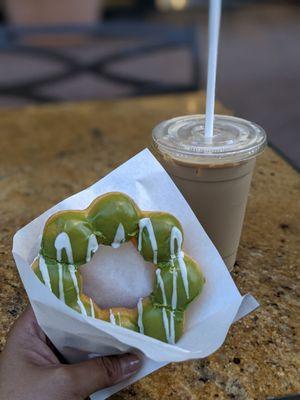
[(89, 376)]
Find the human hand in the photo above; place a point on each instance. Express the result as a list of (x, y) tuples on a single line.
[(30, 370)]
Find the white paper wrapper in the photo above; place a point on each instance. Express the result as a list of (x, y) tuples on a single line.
[(207, 319)]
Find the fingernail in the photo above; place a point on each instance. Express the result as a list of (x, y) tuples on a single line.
[(130, 364)]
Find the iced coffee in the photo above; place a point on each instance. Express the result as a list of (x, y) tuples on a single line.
[(213, 174)]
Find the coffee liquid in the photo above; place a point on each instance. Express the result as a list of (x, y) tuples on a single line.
[(218, 196)]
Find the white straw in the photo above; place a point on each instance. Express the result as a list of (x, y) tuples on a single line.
[(213, 33)]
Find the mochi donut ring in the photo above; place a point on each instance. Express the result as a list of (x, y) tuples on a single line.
[(70, 238)]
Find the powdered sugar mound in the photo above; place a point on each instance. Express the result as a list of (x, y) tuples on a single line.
[(117, 277)]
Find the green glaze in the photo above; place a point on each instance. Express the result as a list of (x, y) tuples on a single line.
[(195, 278), (154, 324), (70, 293), (178, 277), (77, 227), (162, 225), (106, 214), (123, 317)]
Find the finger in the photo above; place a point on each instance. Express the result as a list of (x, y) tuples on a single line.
[(26, 335), (89, 376), (54, 350), (27, 324)]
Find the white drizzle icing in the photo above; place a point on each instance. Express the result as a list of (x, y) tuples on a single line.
[(119, 237), (176, 235), (146, 223), (174, 292), (161, 285), (62, 241), (140, 315), (169, 327), (92, 247), (92, 308), (166, 323), (184, 275), (75, 283), (45, 273), (60, 283), (172, 328), (112, 317)]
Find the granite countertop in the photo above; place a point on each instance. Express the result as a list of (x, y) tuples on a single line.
[(50, 152)]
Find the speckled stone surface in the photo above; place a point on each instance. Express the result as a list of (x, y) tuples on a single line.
[(51, 152)]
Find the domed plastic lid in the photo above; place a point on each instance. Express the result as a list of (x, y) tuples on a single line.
[(234, 139)]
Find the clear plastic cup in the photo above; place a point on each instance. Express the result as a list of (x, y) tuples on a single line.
[(213, 174)]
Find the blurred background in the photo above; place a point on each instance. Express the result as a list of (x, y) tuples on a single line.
[(74, 50)]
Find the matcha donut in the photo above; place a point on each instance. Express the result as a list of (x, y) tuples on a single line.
[(70, 239)]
